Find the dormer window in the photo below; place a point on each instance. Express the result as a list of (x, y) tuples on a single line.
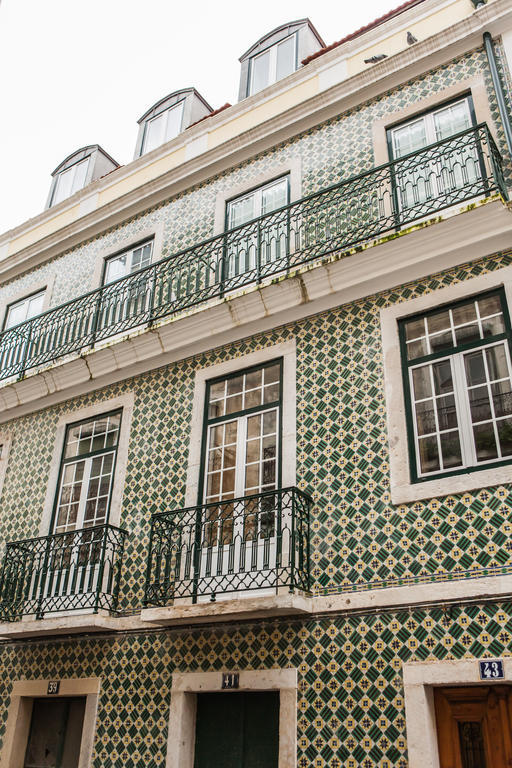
[(272, 65), (276, 55), (70, 181), (77, 171), (163, 127), (169, 117)]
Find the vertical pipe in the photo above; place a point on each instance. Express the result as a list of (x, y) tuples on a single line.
[(498, 90)]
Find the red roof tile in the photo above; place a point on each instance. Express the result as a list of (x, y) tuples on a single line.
[(215, 112), (389, 15)]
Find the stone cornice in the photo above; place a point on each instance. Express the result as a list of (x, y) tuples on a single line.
[(308, 112)]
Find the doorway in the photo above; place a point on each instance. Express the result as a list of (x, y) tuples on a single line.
[(474, 726), (237, 730), (55, 733)]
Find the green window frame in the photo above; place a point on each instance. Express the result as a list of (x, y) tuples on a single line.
[(238, 390), (457, 380), (87, 470)]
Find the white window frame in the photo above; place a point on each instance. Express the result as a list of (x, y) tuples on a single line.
[(72, 170), (164, 138), (272, 67), (285, 350), (461, 397), (88, 461), (401, 488), (428, 119), (257, 195), (25, 300), (129, 253), (124, 402)]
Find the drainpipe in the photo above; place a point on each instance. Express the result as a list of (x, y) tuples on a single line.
[(498, 90)]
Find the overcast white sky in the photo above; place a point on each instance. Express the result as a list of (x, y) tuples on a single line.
[(77, 72)]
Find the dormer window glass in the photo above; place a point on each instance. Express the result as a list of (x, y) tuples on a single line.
[(24, 310), (272, 65), (70, 181), (163, 127)]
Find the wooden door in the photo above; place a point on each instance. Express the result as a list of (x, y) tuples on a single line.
[(474, 726), (237, 730)]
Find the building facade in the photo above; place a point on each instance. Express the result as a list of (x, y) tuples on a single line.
[(256, 419)]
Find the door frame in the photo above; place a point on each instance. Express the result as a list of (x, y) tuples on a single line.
[(19, 716), (420, 679), (182, 715)]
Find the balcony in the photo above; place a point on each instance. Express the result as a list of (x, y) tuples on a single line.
[(73, 572), (255, 546), (350, 213)]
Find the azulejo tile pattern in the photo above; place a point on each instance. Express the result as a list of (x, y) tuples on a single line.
[(359, 539), (337, 149), (350, 692)]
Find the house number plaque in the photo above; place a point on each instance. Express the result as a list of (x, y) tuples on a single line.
[(491, 670), (53, 687), (230, 680)]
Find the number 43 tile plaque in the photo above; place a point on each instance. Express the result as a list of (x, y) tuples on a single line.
[(491, 670)]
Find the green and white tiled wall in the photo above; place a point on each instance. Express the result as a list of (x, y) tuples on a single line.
[(359, 539), (350, 695)]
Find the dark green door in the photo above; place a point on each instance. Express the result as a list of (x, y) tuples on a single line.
[(237, 730)]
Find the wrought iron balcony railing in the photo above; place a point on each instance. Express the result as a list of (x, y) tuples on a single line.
[(351, 212), (259, 542), (73, 571)]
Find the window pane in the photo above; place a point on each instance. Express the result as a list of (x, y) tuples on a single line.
[(442, 377), (450, 449), (505, 436), (173, 121), (241, 211), (154, 132), (475, 370), (502, 398), (497, 362), (409, 138), (452, 119), (417, 349), (485, 443), (491, 326), (274, 196), (438, 322), (446, 412), (80, 173), (116, 268), (489, 305), (414, 329), (35, 305), (63, 186), (467, 333), (425, 417), (429, 455), (285, 58), (466, 313), (260, 71), (421, 382), (479, 404)]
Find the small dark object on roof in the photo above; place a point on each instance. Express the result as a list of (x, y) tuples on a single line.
[(411, 39), (374, 59)]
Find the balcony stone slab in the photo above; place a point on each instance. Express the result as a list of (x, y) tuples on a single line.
[(63, 624), (239, 609)]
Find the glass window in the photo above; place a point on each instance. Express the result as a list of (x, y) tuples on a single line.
[(273, 64), (24, 310), (127, 262), (87, 472), (459, 379), (242, 445), (70, 181), (267, 241), (162, 128), (433, 175)]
